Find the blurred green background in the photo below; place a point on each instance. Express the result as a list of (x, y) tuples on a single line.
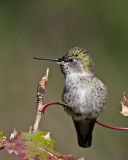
[(48, 28)]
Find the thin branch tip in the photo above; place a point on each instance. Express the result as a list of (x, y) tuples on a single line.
[(40, 98)]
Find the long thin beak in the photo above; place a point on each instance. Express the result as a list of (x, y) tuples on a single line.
[(50, 59)]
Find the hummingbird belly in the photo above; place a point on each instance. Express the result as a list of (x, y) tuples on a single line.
[(86, 97)]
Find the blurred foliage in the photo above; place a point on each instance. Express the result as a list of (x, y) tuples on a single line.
[(48, 28)]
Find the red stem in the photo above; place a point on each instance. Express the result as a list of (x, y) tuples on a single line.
[(111, 127), (51, 103), (65, 105)]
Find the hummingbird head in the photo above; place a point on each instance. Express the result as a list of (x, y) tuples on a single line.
[(75, 60)]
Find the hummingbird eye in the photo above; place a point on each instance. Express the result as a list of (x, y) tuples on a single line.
[(71, 59)]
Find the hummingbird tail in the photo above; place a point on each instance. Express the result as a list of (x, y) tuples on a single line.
[(84, 128)]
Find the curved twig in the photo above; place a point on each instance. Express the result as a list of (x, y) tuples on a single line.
[(52, 103), (111, 127), (65, 105)]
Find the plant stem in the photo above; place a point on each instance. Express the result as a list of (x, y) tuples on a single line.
[(40, 97), (42, 109), (51, 103), (111, 127)]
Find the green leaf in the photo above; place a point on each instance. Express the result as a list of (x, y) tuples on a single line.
[(34, 146), (2, 138)]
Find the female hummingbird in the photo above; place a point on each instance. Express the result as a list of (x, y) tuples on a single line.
[(84, 93)]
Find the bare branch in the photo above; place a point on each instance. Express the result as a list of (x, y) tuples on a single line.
[(40, 98)]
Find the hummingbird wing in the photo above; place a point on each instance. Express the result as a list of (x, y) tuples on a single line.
[(84, 128)]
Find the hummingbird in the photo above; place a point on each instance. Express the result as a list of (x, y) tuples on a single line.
[(84, 93)]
